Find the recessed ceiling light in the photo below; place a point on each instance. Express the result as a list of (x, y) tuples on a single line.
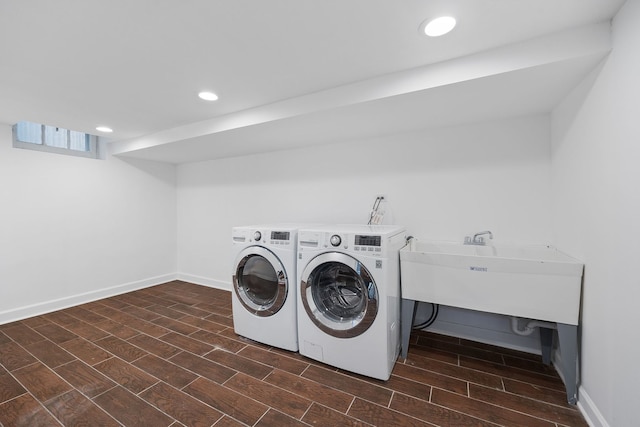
[(104, 129), (208, 96), (439, 26)]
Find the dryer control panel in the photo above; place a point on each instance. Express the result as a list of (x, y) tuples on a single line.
[(280, 238)]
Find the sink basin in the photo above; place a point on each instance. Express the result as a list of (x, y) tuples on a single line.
[(532, 281)]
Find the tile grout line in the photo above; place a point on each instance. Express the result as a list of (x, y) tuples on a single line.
[(42, 404), (149, 299), (447, 375)]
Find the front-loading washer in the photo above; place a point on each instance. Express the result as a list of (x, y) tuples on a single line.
[(263, 280), (349, 296)]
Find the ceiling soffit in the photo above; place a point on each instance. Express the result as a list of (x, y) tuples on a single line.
[(525, 77)]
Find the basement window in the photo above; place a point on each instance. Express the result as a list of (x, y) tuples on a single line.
[(52, 139)]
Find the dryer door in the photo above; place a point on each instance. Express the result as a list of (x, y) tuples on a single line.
[(339, 294), (260, 281)]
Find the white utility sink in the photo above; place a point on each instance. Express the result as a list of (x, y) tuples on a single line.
[(536, 282)]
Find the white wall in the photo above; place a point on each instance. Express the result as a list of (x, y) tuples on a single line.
[(441, 184), (596, 213), (75, 229)]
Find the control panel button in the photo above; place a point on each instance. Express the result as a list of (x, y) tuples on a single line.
[(257, 236), (335, 240)]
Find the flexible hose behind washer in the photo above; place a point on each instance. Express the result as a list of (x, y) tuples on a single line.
[(435, 308)]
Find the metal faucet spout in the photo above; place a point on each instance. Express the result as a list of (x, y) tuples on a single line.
[(477, 238)]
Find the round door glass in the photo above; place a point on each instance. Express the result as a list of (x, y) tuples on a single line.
[(259, 286), (340, 299)]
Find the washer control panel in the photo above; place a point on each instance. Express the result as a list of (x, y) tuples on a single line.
[(368, 243)]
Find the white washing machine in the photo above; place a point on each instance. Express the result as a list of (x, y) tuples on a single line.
[(349, 296), (264, 284)]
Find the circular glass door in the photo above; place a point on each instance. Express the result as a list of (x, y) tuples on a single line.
[(339, 295), (260, 281)]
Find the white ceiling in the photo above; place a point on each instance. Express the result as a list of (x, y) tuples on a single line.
[(288, 72)]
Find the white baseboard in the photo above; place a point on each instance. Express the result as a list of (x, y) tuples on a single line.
[(589, 410), (204, 281), (38, 309)]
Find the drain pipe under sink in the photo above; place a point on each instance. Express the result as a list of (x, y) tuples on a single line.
[(530, 327)]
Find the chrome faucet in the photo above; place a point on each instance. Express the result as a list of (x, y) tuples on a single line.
[(477, 238)]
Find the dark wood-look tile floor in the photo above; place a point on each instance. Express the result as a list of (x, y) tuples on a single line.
[(168, 356)]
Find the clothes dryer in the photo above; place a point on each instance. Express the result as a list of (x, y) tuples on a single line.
[(263, 280), (349, 296)]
